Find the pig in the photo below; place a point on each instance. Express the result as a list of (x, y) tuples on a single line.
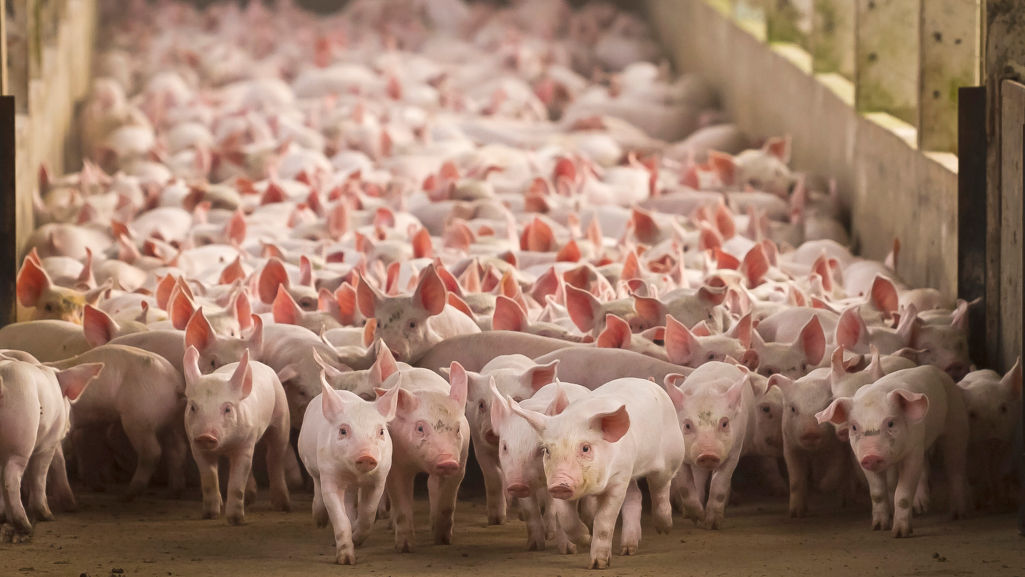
[(410, 326), (345, 445), (600, 445), (49, 301), (713, 406), (46, 340), (34, 418), (144, 394), (430, 434), (894, 422), (473, 351), (593, 367), (794, 359), (518, 377), (228, 412), (994, 415), (519, 458)]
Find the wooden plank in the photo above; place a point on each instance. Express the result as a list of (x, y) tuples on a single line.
[(949, 59), (832, 37), (1012, 120), (886, 57), (971, 212), (8, 225)]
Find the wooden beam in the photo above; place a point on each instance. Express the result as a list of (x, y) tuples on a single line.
[(8, 225), (971, 213), (886, 57), (832, 37), (950, 31)]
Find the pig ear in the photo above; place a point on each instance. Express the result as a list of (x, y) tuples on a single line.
[(723, 165), (190, 364), (431, 293), (884, 295), (255, 340), (388, 403), (616, 334), (838, 412), (367, 297), (98, 327), (680, 343), (242, 310), (330, 401), (542, 375), (750, 359), (671, 387), (650, 309), (838, 369), (559, 402), (582, 308), (32, 281), (286, 311), (407, 403), (612, 425), (812, 341), (326, 368), (742, 331), (242, 379), (536, 420), (913, 405), (272, 276), (182, 310), (784, 383), (1012, 380), (74, 380), (499, 406), (385, 363), (851, 331), (459, 382), (712, 295), (288, 372), (198, 332), (508, 315), (778, 147), (736, 391)]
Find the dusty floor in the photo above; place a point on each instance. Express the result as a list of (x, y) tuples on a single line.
[(158, 537)]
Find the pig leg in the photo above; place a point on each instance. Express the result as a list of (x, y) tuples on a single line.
[(535, 525), (588, 507), (771, 475), (493, 486), (278, 451), (719, 492), (700, 477), (910, 472), (175, 442), (660, 486), (63, 496), (630, 537), (921, 503), (333, 495), (207, 465), (570, 530), (683, 486), (35, 476), (240, 468), (877, 490), (293, 473), (442, 492), (251, 489), (14, 509), (350, 503), (369, 498), (797, 469), (955, 448), (609, 504), (541, 497), (147, 447), (320, 514), (400, 494)]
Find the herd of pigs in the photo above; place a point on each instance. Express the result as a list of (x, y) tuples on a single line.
[(411, 227)]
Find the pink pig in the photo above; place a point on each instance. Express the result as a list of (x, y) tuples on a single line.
[(228, 412), (345, 445), (893, 423)]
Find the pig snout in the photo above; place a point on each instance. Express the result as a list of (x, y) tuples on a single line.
[(872, 463), (957, 371), (518, 490), (708, 461), (843, 434), (366, 463), (206, 441), (490, 437), (561, 488), (810, 437), (446, 466)]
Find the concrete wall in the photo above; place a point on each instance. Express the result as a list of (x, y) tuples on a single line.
[(892, 189)]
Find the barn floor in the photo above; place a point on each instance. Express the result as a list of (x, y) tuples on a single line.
[(157, 537)]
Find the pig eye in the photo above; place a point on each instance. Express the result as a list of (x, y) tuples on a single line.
[(412, 324), (380, 432), (687, 426), (192, 407), (711, 356), (227, 409), (793, 409), (420, 428), (890, 424), (505, 448), (724, 424), (343, 432), (213, 363), (854, 428), (585, 448), (766, 410), (49, 308), (482, 407)]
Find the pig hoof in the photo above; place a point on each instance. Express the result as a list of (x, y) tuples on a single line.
[(880, 524), (630, 549), (283, 504), (443, 538), (601, 561), (901, 530), (921, 505), (535, 545), (567, 548), (403, 546), (236, 519), (496, 519), (14, 535), (346, 556)]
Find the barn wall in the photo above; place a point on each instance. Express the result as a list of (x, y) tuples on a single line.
[(891, 188)]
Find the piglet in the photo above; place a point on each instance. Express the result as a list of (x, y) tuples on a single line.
[(345, 446), (228, 412), (893, 423), (34, 419), (430, 434), (600, 445)]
